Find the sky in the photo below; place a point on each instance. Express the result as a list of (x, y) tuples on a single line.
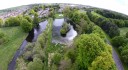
[(115, 5)]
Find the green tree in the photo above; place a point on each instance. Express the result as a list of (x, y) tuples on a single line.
[(56, 58), (124, 53), (118, 41), (12, 21), (26, 25), (35, 65), (28, 18), (67, 12), (88, 47), (127, 35), (64, 29), (103, 62), (32, 12), (36, 20), (1, 22)]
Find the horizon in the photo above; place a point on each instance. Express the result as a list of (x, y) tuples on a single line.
[(120, 6)]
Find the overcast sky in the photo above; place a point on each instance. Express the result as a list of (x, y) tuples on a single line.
[(115, 5)]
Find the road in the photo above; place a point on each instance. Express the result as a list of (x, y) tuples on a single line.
[(116, 57)]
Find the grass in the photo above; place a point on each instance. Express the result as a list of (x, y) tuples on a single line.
[(7, 50), (81, 11), (58, 16), (94, 13), (123, 31)]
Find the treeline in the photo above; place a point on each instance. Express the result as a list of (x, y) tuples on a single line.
[(119, 19), (121, 43), (111, 14), (35, 55), (120, 22), (110, 28)]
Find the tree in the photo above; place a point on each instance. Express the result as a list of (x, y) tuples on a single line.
[(26, 26), (12, 21), (124, 53), (32, 12), (103, 62), (67, 12), (28, 18), (88, 47), (64, 29), (36, 20), (127, 35), (118, 41), (1, 22), (3, 38), (56, 58), (35, 65)]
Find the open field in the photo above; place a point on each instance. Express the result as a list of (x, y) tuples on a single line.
[(7, 50), (123, 31), (59, 16)]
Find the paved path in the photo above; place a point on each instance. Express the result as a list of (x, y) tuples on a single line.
[(116, 57)]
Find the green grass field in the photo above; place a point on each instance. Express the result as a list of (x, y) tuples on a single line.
[(94, 13), (7, 50), (123, 31), (59, 15)]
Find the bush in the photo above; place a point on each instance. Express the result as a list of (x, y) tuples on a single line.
[(124, 54), (28, 18), (127, 35), (1, 22), (35, 65), (12, 21), (26, 26), (118, 41), (3, 38), (56, 58), (64, 29)]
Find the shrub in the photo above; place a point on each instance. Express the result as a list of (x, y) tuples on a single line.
[(12, 21), (1, 22), (56, 58), (26, 26), (127, 35), (28, 18), (124, 54), (35, 65), (64, 29), (3, 38), (118, 41)]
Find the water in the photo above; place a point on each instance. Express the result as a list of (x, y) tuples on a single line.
[(32, 37), (57, 38)]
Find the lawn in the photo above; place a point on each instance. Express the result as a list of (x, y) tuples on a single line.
[(94, 13), (59, 16), (123, 31), (7, 50)]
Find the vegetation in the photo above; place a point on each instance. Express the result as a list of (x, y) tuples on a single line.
[(12, 21), (15, 36), (26, 25), (110, 28), (65, 28), (123, 31), (87, 43), (1, 22), (88, 51)]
